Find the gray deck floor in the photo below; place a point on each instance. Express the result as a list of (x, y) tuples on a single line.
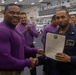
[(38, 44)]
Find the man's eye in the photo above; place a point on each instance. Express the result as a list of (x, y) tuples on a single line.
[(57, 17), (62, 16), (11, 12), (15, 13)]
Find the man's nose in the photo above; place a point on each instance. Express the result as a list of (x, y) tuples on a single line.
[(60, 19)]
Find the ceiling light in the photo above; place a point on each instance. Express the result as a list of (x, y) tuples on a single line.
[(3, 1), (40, 0), (32, 3), (15, 2), (20, 0)]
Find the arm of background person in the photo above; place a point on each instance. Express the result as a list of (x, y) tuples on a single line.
[(43, 38), (33, 31)]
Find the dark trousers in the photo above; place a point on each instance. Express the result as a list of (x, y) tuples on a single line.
[(54, 67), (66, 68), (33, 71), (50, 65), (60, 68)]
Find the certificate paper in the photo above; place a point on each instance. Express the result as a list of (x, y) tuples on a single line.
[(54, 44)]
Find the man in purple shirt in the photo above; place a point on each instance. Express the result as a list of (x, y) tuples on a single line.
[(29, 31), (12, 44), (49, 28)]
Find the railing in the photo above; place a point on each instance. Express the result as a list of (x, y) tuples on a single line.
[(53, 10)]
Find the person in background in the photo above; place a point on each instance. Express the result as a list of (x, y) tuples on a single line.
[(49, 28), (12, 44), (29, 31), (73, 19)]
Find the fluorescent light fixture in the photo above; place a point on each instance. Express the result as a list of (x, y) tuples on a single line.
[(20, 0), (15, 2), (32, 3), (3, 1), (40, 0)]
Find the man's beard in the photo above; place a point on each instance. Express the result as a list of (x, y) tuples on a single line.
[(64, 25)]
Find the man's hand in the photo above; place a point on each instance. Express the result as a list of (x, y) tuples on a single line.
[(63, 57), (34, 62), (41, 51), (28, 27)]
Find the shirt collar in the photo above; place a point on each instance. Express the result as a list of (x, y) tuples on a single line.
[(70, 30)]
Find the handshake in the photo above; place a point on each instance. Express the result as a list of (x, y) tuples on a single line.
[(34, 62)]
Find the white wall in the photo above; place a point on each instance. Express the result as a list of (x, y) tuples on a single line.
[(31, 12), (1, 19)]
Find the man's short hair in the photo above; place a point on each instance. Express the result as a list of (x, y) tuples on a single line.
[(23, 13), (53, 17), (65, 9), (6, 7)]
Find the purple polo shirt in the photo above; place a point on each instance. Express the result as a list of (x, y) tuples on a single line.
[(48, 28), (12, 48), (28, 34)]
